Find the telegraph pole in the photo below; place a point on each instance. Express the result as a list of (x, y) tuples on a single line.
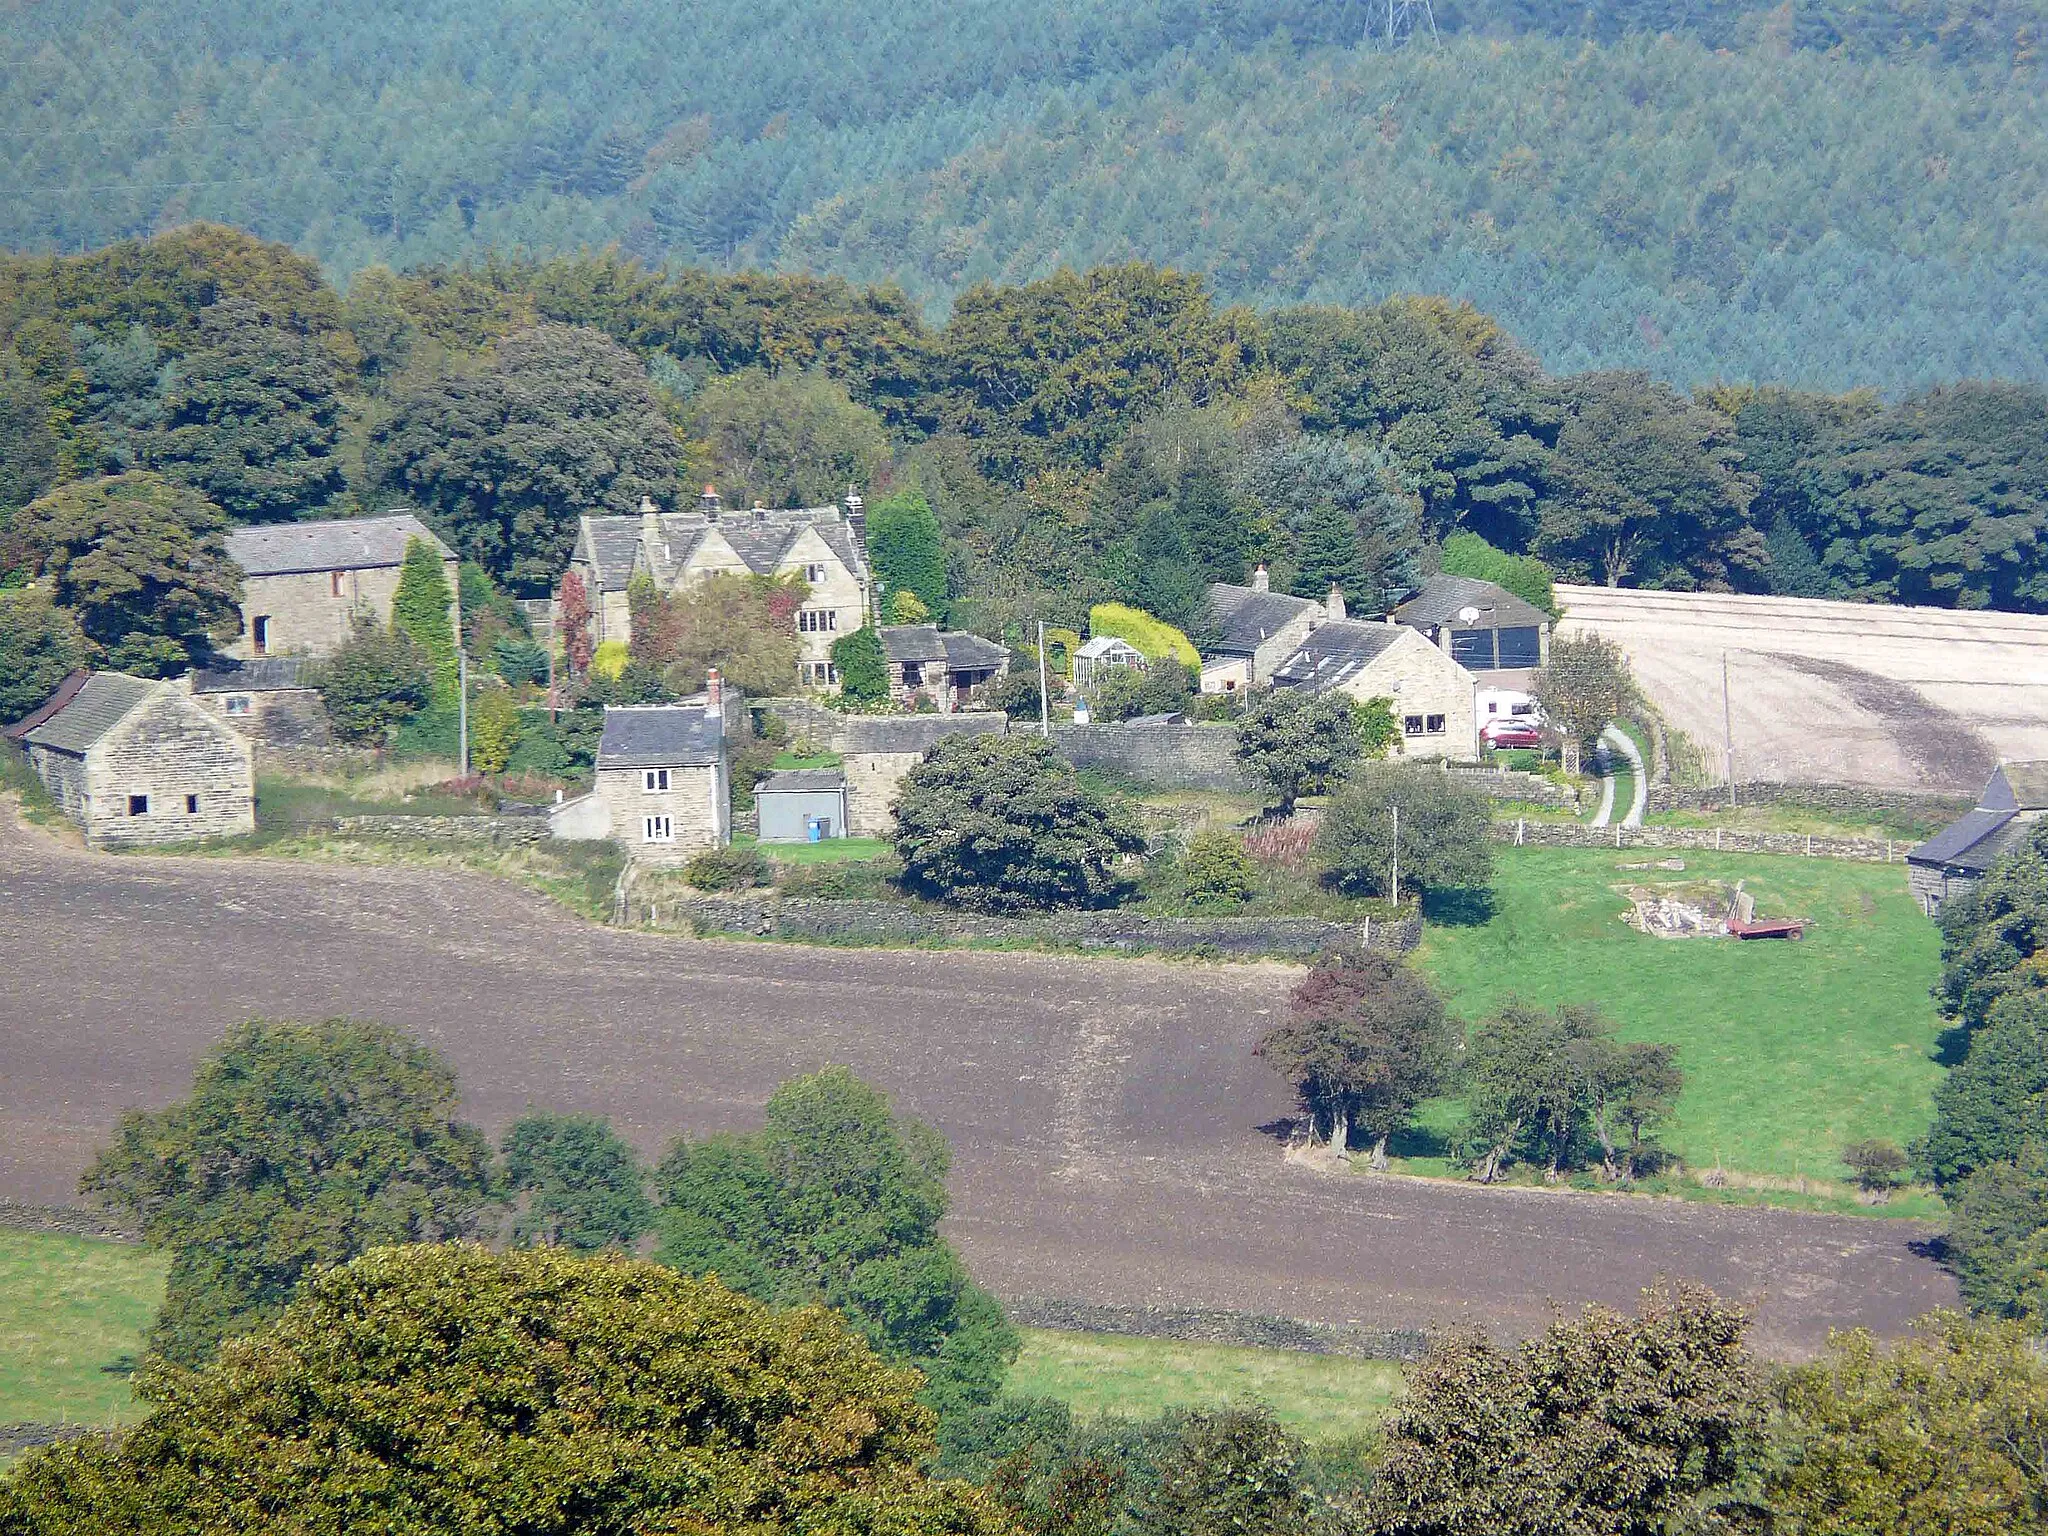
[(1394, 891), (462, 707), (1044, 699), (1727, 734)]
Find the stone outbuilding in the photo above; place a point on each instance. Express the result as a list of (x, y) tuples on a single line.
[(823, 545), (801, 805), (949, 667), (137, 763), (1958, 856), (1485, 628), (663, 777), (269, 699), (304, 585), (1433, 697)]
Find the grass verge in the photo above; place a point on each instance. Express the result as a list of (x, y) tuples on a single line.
[(1321, 1397), (1790, 1050), (72, 1315)]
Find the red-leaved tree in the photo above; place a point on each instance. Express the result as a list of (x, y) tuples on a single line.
[(572, 620)]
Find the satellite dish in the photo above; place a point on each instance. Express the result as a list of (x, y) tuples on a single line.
[(1468, 615)]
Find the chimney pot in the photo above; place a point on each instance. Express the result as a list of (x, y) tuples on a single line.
[(708, 503)]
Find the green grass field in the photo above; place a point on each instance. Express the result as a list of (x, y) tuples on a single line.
[(1318, 1396), (1790, 1050), (72, 1316)]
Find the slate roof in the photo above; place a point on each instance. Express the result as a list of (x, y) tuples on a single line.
[(1976, 840), (1333, 653), (2017, 787), (660, 736), (345, 544), (262, 674), (104, 702), (763, 541), (970, 653), (1442, 596), (913, 642), (1244, 617), (801, 781)]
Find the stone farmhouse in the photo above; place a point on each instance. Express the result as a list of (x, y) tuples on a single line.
[(269, 699), (305, 584), (1256, 630), (947, 666), (663, 788), (1434, 699), (823, 545), (1962, 853), (137, 763)]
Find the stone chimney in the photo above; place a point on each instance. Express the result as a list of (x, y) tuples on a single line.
[(1260, 581), (714, 699), (857, 516), (760, 512), (1334, 603), (652, 540), (709, 504)]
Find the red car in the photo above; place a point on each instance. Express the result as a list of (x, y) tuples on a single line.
[(1500, 734)]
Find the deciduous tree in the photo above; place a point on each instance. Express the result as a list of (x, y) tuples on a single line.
[(1366, 1040), (906, 549), (1004, 824), (40, 645), (1446, 833), (300, 1145), (1996, 1099), (1298, 742), (458, 1392), (1584, 683), (577, 1184), (374, 680), (791, 439), (745, 626)]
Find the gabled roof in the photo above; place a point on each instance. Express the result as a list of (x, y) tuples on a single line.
[(66, 692), (345, 544), (970, 653), (762, 540), (1245, 618), (106, 699), (1106, 645), (261, 674), (801, 781), (2017, 787), (913, 642), (1976, 840), (1334, 652), (1442, 598), (660, 736)]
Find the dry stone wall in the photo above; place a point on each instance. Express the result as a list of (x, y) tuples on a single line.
[(1571, 834), (1164, 756), (1852, 799)]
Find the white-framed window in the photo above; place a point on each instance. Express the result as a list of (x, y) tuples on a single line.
[(237, 704), (818, 621), (1433, 726), (654, 780), (1411, 725), (814, 575), (657, 829)]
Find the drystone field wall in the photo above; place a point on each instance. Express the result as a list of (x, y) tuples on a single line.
[(1164, 756), (1572, 834), (900, 923), (1845, 799), (1920, 699), (499, 831)]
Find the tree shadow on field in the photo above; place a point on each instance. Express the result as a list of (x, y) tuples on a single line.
[(1952, 1044), (1418, 1141), (1460, 909)]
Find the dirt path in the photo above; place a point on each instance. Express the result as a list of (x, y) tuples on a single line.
[(1105, 1114)]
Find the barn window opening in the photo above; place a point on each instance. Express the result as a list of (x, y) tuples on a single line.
[(657, 829), (238, 704), (191, 805), (259, 634), (138, 805), (334, 582)]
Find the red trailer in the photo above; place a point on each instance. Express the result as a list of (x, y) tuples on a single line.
[(1770, 928)]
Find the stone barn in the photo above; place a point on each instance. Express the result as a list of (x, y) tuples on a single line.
[(1962, 853), (271, 700), (305, 584), (1485, 628), (138, 763)]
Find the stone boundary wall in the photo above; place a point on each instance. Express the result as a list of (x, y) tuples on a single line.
[(1569, 834), (1203, 1326), (499, 831), (825, 921), (16, 1438), (1521, 788), (1851, 798), (1168, 756), (66, 1221)]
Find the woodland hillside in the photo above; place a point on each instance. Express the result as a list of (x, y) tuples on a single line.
[(1828, 194)]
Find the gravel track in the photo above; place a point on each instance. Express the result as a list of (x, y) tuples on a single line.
[(1113, 1136)]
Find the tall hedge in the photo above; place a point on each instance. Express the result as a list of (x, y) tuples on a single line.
[(424, 609), (1155, 639)]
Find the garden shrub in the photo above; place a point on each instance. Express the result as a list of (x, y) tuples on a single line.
[(1154, 639), (1217, 869), (738, 868)]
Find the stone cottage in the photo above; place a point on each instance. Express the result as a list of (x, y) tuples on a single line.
[(137, 763), (947, 666), (1484, 628), (663, 779), (1255, 629), (1433, 697), (305, 584), (1958, 856), (823, 545), (269, 699)]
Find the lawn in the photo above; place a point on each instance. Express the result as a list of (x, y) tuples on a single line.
[(1320, 1396), (833, 850), (1790, 1050), (72, 1316)]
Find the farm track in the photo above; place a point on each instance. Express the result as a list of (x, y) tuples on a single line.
[(1111, 1131)]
